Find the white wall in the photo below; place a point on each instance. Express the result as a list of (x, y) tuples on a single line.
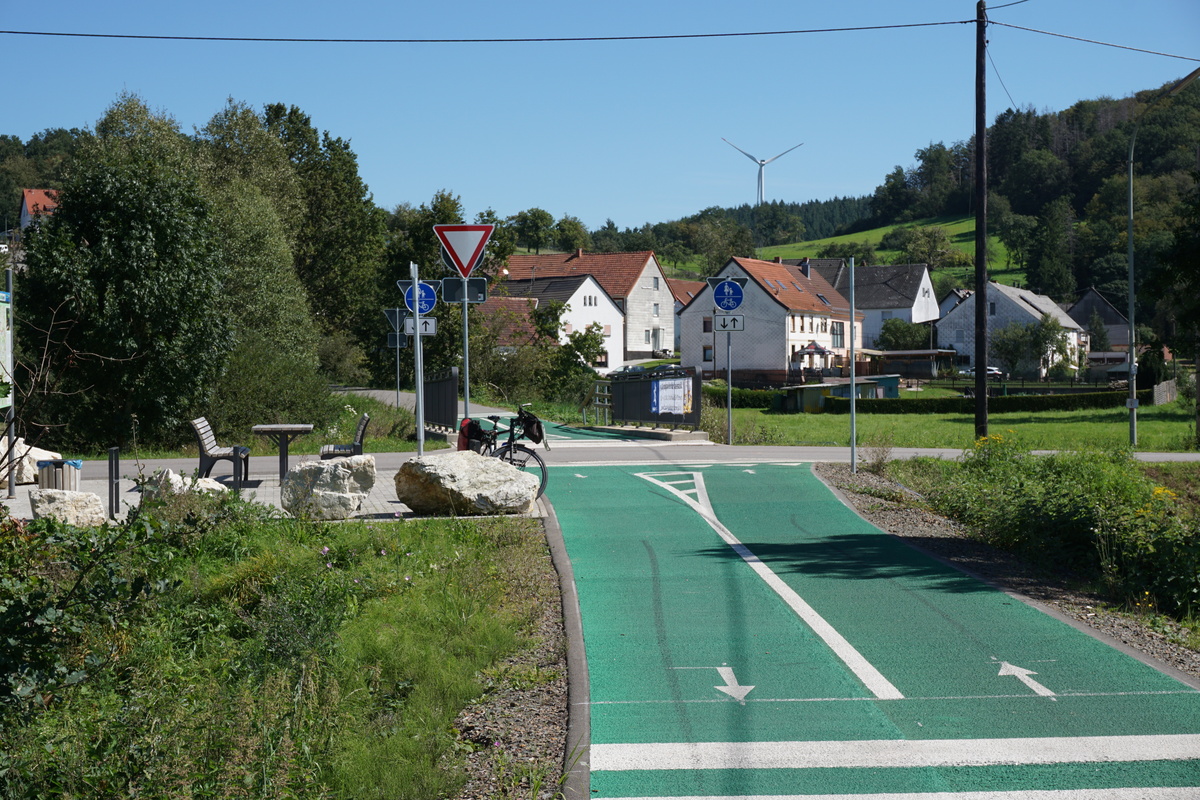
[(640, 316), (591, 304)]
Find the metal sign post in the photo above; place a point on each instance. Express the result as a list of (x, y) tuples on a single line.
[(418, 366), (395, 317), (853, 386), (463, 246), (728, 294)]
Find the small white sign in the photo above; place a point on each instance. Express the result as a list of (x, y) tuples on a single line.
[(428, 326), (729, 322)]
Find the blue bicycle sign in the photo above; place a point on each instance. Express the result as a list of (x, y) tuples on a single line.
[(425, 297), (727, 295)]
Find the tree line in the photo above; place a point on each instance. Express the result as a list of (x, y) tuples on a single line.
[(238, 269)]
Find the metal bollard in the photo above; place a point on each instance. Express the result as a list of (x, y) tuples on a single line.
[(114, 481)]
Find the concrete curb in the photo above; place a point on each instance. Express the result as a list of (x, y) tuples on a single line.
[(577, 771)]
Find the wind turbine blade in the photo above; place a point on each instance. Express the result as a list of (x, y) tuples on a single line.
[(784, 153), (740, 150)]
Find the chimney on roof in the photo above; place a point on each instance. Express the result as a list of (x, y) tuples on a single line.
[(579, 253), (778, 259), (804, 267)]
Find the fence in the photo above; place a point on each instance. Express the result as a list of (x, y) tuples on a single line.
[(663, 398), (441, 400)]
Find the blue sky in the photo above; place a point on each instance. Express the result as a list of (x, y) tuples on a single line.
[(624, 130)]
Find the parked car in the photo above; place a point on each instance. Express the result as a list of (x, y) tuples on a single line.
[(993, 373), (626, 371)]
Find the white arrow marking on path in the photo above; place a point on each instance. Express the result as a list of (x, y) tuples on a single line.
[(697, 498), (1022, 674), (577, 475), (732, 687), (750, 471)]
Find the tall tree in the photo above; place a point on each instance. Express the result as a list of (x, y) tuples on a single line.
[(571, 234), (534, 227), (339, 245), (122, 297)]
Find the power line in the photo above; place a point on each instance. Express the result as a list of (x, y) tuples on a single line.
[(1094, 41), (480, 41), (1000, 77)]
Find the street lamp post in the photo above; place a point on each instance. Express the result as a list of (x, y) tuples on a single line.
[(1132, 373)]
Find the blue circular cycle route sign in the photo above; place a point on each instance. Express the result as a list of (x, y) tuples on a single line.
[(727, 295), (427, 298)]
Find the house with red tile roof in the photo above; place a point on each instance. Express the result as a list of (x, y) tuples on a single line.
[(37, 203), (683, 292), (586, 303), (635, 281), (793, 319)]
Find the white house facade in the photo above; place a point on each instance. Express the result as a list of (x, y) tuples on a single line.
[(634, 281), (586, 303), (898, 291), (1006, 305), (791, 319)]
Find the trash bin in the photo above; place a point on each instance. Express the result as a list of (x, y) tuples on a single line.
[(59, 474)]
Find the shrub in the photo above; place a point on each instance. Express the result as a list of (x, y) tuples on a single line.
[(1090, 513), (742, 398)]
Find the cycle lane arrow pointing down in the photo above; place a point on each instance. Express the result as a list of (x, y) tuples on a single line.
[(1022, 674), (732, 687)]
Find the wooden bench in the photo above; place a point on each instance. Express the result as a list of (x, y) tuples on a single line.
[(355, 448), (211, 452)]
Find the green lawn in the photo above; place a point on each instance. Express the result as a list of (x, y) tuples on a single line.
[(1160, 428)]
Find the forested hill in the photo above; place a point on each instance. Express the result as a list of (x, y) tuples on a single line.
[(818, 219)]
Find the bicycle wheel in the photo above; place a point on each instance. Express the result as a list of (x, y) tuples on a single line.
[(523, 458)]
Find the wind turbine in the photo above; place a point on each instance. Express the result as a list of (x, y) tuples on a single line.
[(762, 165)]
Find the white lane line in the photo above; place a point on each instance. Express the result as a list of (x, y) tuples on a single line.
[(1024, 696), (878, 685), (887, 753), (1129, 793)]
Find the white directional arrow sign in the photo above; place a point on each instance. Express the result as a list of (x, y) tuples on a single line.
[(1022, 674), (732, 687)]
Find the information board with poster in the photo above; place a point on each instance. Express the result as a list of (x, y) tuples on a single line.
[(671, 396)]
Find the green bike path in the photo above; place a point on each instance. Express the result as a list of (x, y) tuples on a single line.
[(747, 635)]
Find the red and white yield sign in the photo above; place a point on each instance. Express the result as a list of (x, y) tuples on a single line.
[(464, 244)]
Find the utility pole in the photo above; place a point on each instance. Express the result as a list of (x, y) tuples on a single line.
[(981, 191)]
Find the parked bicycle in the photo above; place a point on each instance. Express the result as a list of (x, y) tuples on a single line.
[(525, 425)]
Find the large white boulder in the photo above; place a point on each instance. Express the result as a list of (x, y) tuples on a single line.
[(164, 483), (27, 458), (464, 483), (81, 509), (328, 489)]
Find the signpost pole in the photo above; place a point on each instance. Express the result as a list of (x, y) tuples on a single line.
[(729, 387), (466, 356), (418, 366), (853, 378)]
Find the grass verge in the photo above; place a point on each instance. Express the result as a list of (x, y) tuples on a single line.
[(211, 649)]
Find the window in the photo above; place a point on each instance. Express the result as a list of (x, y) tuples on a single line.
[(991, 309), (837, 334), (821, 297), (798, 289), (793, 319), (707, 325), (708, 352), (812, 325), (656, 309), (824, 325), (960, 336), (655, 282), (647, 337)]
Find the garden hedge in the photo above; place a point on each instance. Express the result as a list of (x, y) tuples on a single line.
[(742, 398)]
